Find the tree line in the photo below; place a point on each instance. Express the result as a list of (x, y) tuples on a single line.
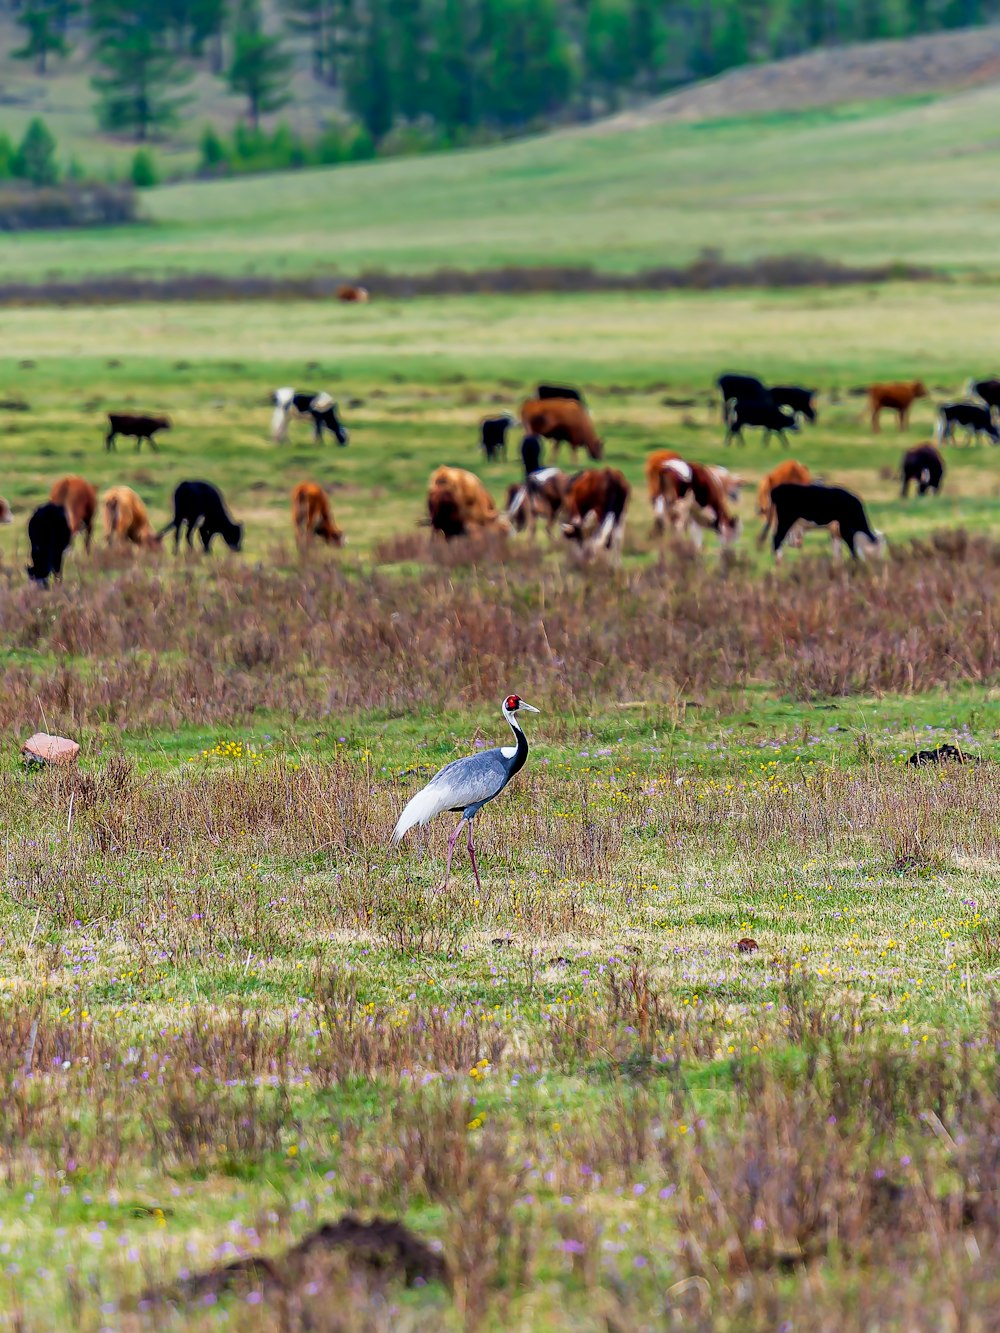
[(428, 73)]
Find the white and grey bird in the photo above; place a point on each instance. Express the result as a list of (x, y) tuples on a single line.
[(467, 784)]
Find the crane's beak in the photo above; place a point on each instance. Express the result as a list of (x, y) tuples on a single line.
[(527, 708)]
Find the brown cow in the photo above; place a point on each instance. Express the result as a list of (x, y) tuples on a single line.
[(595, 511), (693, 496), (312, 515), (458, 503), (125, 518), (352, 292), (898, 396), (79, 499), (559, 420), (539, 496), (788, 470)]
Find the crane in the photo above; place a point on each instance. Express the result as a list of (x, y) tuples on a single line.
[(467, 784)]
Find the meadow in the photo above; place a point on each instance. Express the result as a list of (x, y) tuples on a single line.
[(229, 1013)]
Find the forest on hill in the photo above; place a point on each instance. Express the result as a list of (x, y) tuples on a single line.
[(408, 74)]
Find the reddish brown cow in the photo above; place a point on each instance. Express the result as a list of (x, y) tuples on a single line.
[(788, 470), (595, 511), (693, 496), (79, 499), (539, 496), (562, 420), (897, 396), (352, 292), (312, 515)]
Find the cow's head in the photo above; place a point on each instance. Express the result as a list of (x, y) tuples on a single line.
[(920, 389)]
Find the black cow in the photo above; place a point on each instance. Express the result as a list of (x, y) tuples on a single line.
[(797, 400), (765, 415), (493, 435), (320, 407), (972, 418), (49, 535), (988, 391), (135, 425), (925, 466), (819, 507), (531, 454), (199, 505), (744, 388), (559, 391)]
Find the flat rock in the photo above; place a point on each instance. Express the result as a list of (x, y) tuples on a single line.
[(44, 749)]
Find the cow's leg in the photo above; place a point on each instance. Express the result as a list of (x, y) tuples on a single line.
[(904, 418), (189, 534), (88, 533), (876, 427), (109, 441), (152, 444), (782, 528)]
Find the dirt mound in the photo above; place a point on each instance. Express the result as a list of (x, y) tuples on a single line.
[(912, 65)]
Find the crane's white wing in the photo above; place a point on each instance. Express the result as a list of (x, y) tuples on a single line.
[(459, 784)]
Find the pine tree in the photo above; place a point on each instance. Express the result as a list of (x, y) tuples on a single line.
[(136, 91), (369, 76), (35, 159), (259, 68), (44, 23)]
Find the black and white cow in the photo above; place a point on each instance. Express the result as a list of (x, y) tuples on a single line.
[(318, 407), (818, 506), (970, 417)]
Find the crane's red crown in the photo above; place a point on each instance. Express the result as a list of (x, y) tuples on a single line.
[(512, 703)]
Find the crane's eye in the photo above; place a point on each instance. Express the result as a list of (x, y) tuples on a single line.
[(512, 702)]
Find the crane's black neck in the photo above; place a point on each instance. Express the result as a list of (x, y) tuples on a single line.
[(515, 764)]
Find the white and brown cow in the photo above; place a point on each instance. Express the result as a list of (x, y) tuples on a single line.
[(594, 512)]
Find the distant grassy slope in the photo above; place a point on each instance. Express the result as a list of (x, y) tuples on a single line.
[(908, 181)]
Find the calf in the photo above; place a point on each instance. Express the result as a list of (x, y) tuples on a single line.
[(771, 419), (319, 407), (693, 497), (897, 396), (493, 435), (125, 518), (49, 535), (540, 496), (79, 499), (653, 468), (312, 515), (745, 387), (562, 420), (531, 454), (789, 470), (199, 505), (925, 466), (559, 391), (135, 426), (595, 511), (458, 504), (800, 402), (820, 507), (972, 418)]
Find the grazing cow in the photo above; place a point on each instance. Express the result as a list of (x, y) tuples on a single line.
[(988, 391), (731, 482), (972, 418), (925, 466), (531, 454), (767, 416), (595, 506), (125, 518), (819, 507), (312, 515), (559, 391), (49, 535), (79, 499), (540, 496), (319, 407), (800, 402), (789, 470), (133, 425), (745, 388), (458, 504), (493, 435), (692, 497), (351, 292), (198, 504), (898, 396), (653, 468), (562, 420), (6, 515)]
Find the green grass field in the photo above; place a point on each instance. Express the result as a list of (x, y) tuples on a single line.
[(904, 180), (230, 1013)]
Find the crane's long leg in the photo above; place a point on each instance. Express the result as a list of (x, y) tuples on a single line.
[(451, 849), (472, 858)]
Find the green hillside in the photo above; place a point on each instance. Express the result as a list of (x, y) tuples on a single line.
[(907, 180)]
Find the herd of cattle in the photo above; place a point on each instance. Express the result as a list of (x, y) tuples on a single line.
[(687, 497)]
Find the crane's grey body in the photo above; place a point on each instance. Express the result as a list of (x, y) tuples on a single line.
[(467, 784)]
